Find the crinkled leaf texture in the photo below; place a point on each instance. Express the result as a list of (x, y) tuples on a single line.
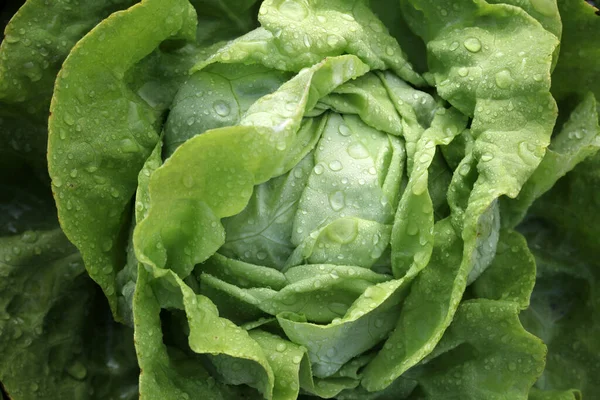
[(282, 207)]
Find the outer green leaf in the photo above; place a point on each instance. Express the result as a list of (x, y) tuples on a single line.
[(26, 343), (578, 140), (57, 337), (545, 11), (101, 133), (166, 375), (511, 275), (50, 30), (564, 309), (578, 67), (536, 394), (239, 15), (37, 40), (485, 354), (298, 34)]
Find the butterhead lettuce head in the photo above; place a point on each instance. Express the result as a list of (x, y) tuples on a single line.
[(290, 199)]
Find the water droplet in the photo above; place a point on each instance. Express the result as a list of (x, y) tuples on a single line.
[(319, 169), (57, 181), (281, 347), (344, 130), (376, 26), (343, 231), (107, 245), (504, 79), (114, 193), (68, 118), (77, 370), (332, 40), (335, 165), (412, 228), (485, 157), (419, 187), (73, 173), (472, 44), (321, 19), (337, 201), (221, 108), (358, 151), (128, 146), (463, 71), (389, 51), (188, 181), (297, 359), (425, 158), (261, 255), (29, 237), (11, 39), (453, 46), (331, 352)]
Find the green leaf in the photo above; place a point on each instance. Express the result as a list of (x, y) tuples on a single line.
[(412, 235), (354, 165), (320, 292), (578, 140), (37, 40), (425, 310), (168, 374), (536, 394), (511, 275), (101, 133), (57, 337), (262, 232), (511, 127), (368, 321), (564, 309), (289, 362), (485, 353), (297, 34), (578, 66), (239, 15), (217, 97)]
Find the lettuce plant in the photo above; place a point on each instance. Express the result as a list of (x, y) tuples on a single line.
[(285, 199)]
